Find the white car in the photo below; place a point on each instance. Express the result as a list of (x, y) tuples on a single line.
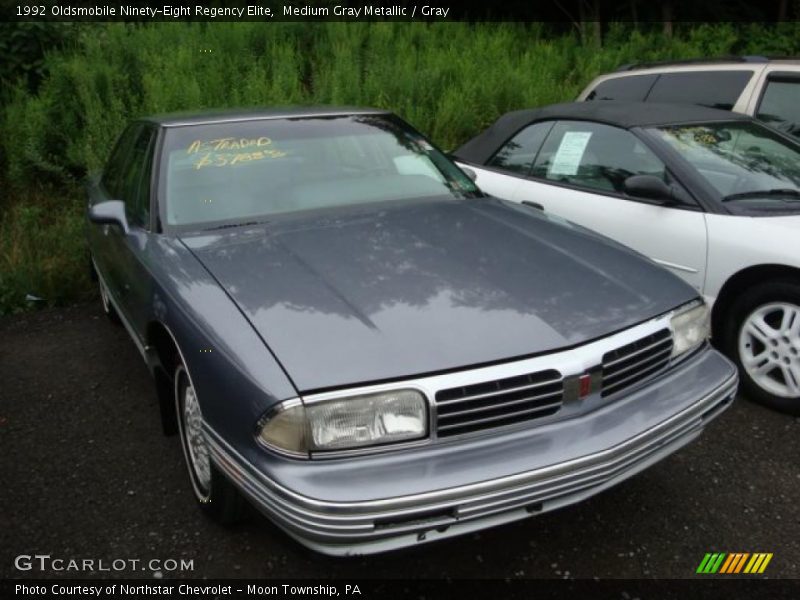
[(711, 195), (762, 87)]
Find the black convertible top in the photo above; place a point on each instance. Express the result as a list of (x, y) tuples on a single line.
[(621, 114)]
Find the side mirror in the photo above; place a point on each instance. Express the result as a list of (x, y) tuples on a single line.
[(110, 212), (470, 173), (648, 187)]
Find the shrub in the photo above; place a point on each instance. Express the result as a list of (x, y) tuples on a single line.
[(42, 253)]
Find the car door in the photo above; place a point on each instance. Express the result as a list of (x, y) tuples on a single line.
[(109, 187), (579, 173), (130, 248)]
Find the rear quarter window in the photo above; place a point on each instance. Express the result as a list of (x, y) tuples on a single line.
[(780, 104), (715, 89)]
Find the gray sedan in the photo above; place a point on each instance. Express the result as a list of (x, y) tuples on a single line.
[(346, 332)]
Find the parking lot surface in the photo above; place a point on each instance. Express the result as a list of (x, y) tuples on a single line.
[(87, 474)]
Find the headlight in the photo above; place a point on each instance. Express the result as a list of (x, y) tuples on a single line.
[(345, 423), (691, 326)]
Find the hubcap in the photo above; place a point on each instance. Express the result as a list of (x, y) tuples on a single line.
[(196, 447), (769, 347)]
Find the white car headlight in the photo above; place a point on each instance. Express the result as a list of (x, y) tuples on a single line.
[(347, 423), (691, 326)]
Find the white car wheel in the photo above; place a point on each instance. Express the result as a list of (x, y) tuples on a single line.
[(769, 348), (761, 332)]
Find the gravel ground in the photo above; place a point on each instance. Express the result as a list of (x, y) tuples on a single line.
[(86, 473)]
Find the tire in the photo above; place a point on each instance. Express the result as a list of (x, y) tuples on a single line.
[(762, 335), (215, 495), (108, 308)]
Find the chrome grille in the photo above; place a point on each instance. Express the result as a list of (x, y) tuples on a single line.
[(635, 362), (497, 403)]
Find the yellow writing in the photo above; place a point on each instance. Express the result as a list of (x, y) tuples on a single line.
[(221, 152), (228, 143), (216, 159)]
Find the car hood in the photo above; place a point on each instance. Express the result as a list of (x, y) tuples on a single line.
[(372, 294)]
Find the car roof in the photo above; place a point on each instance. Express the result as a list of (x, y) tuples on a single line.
[(619, 114), (254, 114), (705, 62)]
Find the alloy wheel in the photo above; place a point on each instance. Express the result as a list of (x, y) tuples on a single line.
[(769, 348)]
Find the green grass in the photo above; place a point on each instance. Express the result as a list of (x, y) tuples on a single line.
[(450, 80), (42, 252)]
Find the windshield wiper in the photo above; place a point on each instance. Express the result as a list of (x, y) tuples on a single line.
[(230, 225), (790, 192)]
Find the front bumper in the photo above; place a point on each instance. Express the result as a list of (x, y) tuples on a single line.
[(370, 504)]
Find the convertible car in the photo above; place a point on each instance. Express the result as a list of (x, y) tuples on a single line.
[(711, 195), (346, 332)]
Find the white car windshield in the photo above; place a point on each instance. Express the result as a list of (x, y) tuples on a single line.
[(231, 173), (740, 160)]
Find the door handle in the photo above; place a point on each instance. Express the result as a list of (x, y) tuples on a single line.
[(535, 205)]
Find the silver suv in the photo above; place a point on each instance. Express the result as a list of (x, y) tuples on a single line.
[(765, 88)]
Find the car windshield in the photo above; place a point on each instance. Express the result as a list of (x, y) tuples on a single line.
[(226, 174), (740, 160)]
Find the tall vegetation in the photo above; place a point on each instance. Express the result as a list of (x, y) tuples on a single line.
[(449, 79)]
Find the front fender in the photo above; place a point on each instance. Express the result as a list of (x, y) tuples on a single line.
[(235, 375)]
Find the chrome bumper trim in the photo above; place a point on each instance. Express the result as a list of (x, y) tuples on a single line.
[(382, 524)]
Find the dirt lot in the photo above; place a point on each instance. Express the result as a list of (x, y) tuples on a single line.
[(86, 473)]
